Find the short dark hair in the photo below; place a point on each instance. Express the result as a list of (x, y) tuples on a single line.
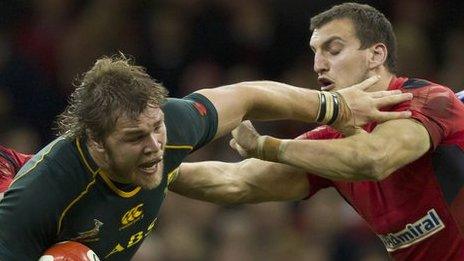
[(370, 24), (112, 88)]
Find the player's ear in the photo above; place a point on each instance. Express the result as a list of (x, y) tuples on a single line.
[(95, 143), (378, 55)]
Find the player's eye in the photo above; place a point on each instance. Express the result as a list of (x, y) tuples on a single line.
[(135, 138), (157, 128), (335, 48), (334, 52)]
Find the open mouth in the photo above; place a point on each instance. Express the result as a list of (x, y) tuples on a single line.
[(325, 83), (150, 166)]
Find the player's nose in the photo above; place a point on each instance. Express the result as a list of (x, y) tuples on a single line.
[(154, 144), (320, 63)]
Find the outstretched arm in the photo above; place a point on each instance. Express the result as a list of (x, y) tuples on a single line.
[(267, 100), (363, 156), (248, 181)]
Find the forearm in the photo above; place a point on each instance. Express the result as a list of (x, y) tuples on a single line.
[(343, 159), (248, 181), (364, 156), (211, 181), (273, 100), (350, 158), (262, 100)]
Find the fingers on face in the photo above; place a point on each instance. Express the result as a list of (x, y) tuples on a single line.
[(381, 94), (368, 82), (389, 100), (393, 115)]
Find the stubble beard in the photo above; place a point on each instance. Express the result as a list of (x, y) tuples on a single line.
[(135, 176), (152, 181)]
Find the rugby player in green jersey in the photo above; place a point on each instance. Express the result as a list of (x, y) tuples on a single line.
[(102, 181)]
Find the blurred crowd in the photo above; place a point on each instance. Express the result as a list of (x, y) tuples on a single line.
[(193, 44)]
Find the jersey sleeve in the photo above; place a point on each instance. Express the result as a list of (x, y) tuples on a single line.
[(10, 162), (191, 120), (27, 220), (6, 175), (317, 183), (436, 107)]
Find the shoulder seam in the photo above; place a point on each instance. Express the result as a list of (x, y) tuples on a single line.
[(42, 157), (74, 201)]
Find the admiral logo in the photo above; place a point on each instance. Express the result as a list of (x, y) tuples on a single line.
[(132, 216), (413, 233)]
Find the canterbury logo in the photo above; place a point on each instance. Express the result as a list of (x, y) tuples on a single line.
[(132, 215)]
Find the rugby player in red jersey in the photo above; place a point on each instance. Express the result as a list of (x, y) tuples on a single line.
[(404, 177), (10, 162)]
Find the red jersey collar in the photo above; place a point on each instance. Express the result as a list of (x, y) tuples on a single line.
[(396, 83)]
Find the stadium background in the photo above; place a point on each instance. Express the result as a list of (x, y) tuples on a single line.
[(193, 44)]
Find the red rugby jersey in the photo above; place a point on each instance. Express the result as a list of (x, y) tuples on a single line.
[(418, 211), (10, 162)]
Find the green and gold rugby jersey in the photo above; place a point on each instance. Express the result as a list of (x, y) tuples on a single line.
[(61, 194)]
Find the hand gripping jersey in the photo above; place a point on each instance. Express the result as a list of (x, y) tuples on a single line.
[(62, 195), (418, 211), (10, 162)]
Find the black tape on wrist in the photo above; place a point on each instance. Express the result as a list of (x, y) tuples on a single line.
[(336, 109), (329, 108), (322, 107)]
